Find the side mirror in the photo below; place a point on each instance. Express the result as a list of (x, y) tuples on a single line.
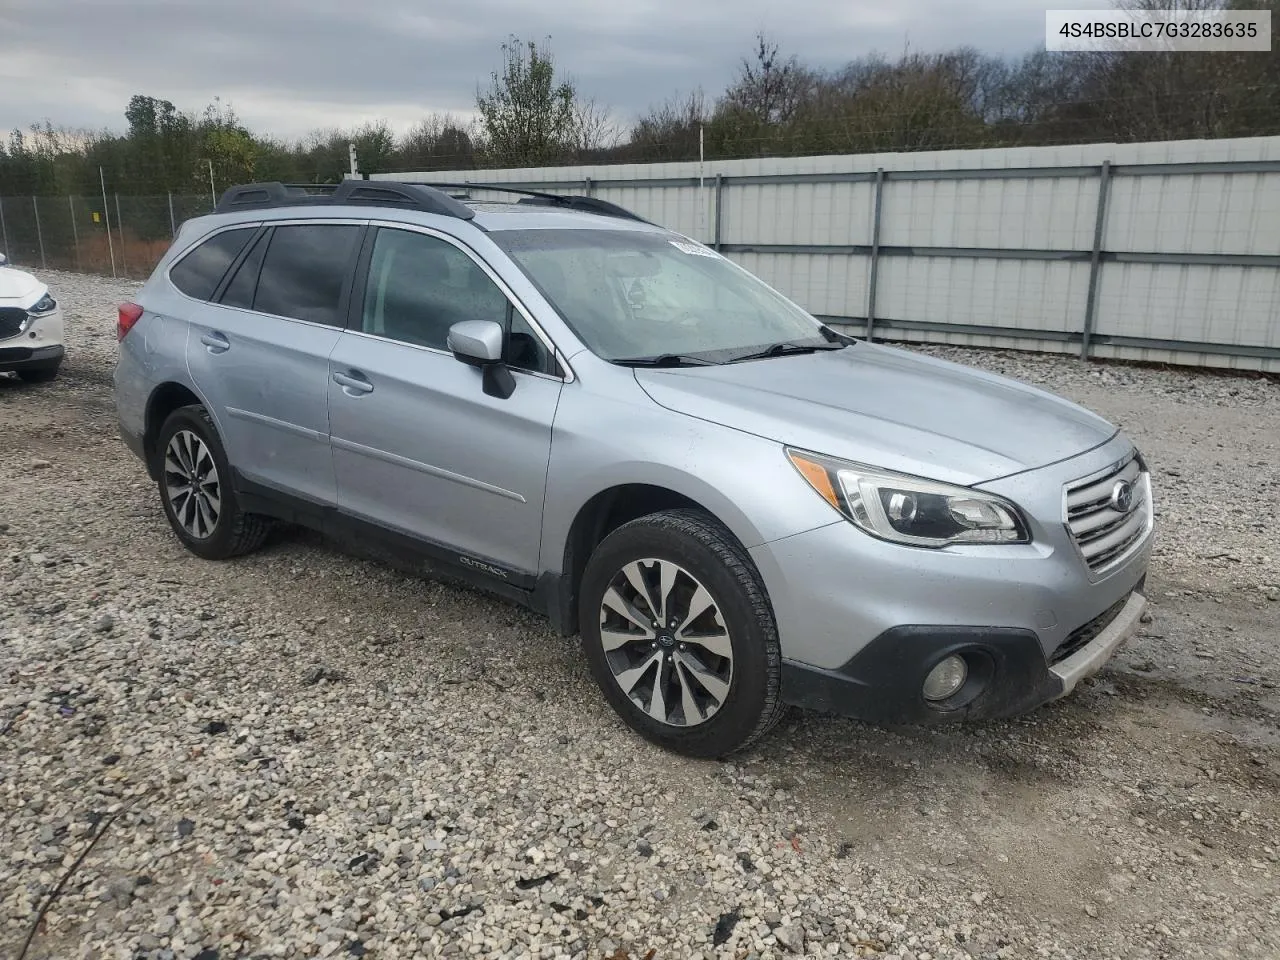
[(478, 343)]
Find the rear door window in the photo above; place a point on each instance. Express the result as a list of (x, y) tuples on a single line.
[(305, 270), (200, 271)]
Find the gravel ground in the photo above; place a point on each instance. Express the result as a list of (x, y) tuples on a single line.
[(308, 754)]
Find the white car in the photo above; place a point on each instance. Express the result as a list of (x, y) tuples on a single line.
[(30, 326)]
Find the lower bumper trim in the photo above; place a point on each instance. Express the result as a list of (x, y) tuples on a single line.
[(882, 682), (1088, 660), (24, 358)]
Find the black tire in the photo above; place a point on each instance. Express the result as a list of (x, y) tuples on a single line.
[(38, 374), (234, 532), (705, 549)]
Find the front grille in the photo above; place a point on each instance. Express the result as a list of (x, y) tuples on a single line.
[(1082, 637), (1103, 534), (11, 321)]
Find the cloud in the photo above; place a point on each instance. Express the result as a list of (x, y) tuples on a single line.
[(289, 66)]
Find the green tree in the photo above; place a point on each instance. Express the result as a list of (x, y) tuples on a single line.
[(528, 116), (225, 144)]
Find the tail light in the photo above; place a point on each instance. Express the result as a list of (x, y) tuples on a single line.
[(129, 314)]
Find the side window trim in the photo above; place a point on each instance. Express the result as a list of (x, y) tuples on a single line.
[(563, 370), (360, 280), (241, 257), (349, 279)]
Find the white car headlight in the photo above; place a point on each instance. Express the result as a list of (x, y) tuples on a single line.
[(910, 510), (43, 307)]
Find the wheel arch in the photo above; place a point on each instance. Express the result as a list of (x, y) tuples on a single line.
[(162, 401), (604, 512)]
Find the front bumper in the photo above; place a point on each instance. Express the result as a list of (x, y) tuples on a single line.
[(39, 346), (30, 358), (882, 683), (863, 621)]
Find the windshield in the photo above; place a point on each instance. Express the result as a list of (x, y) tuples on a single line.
[(631, 295)]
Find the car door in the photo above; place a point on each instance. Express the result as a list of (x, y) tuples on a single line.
[(260, 353), (418, 446)]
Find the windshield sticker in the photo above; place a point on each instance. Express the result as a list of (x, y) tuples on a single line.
[(693, 249)]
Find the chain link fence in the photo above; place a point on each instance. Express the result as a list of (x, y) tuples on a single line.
[(124, 237)]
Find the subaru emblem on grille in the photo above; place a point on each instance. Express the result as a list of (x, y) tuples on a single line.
[(1122, 496)]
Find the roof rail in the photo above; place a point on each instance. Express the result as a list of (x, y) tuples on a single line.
[(584, 204), (382, 193)]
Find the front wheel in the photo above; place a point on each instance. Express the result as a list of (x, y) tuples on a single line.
[(680, 635), (196, 490)]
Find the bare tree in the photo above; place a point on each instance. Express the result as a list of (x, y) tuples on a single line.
[(669, 131), (595, 126), (768, 87), (438, 142)]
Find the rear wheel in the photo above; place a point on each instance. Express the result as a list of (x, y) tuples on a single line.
[(39, 374), (680, 635), (196, 490)]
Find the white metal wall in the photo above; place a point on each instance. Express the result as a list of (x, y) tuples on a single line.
[(1023, 270)]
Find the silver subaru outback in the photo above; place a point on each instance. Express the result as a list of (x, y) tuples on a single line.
[(736, 506)]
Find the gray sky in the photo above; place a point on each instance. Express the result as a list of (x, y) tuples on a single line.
[(290, 66)]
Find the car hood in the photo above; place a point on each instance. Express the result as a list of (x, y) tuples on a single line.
[(888, 408), (18, 289)]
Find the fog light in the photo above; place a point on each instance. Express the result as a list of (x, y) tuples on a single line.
[(946, 678)]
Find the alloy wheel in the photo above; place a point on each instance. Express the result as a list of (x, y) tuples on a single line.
[(192, 485), (666, 642)]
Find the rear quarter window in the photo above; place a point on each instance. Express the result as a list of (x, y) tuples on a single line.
[(199, 272)]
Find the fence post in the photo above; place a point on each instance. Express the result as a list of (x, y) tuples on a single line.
[(75, 234), (586, 186), (111, 247), (1095, 258), (718, 208), (124, 265), (35, 208), (4, 231), (875, 256), (173, 225)]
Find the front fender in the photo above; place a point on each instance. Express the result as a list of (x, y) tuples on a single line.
[(599, 442)]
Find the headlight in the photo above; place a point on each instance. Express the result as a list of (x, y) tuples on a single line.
[(910, 510), (43, 306)]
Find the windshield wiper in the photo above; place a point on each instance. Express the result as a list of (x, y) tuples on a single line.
[(785, 348), (665, 360)]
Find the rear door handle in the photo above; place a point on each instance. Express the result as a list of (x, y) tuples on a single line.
[(353, 384), (215, 342)]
